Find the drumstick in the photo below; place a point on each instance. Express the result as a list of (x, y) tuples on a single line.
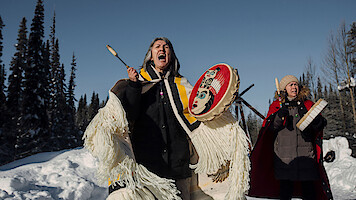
[(278, 92), (115, 54), (277, 86)]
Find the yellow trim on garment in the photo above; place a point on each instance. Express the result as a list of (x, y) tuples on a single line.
[(145, 75), (184, 99)]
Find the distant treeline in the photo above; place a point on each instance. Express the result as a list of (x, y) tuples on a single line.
[(334, 81), (37, 105)]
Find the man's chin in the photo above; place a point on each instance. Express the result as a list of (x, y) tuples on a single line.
[(162, 66)]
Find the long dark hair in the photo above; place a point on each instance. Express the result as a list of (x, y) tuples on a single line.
[(173, 66)]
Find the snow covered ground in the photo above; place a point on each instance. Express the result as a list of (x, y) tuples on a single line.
[(342, 171), (70, 174)]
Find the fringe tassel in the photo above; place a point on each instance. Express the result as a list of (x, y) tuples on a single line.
[(212, 141), (136, 177), (240, 165), (219, 141), (106, 137), (161, 188), (103, 135), (127, 194)]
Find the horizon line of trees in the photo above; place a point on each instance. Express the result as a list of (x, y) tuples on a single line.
[(37, 106)]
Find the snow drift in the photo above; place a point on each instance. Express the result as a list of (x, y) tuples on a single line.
[(70, 174)]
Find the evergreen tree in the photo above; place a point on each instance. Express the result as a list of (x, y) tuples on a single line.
[(71, 86), (2, 83), (103, 102), (15, 87), (58, 99), (69, 137), (352, 43), (319, 90), (5, 151), (54, 65), (94, 106), (350, 125), (326, 92), (310, 79), (77, 137), (46, 55), (303, 80), (36, 92), (254, 124), (332, 114), (82, 114)]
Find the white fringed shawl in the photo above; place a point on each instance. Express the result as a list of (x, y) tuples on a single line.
[(219, 141), (106, 137)]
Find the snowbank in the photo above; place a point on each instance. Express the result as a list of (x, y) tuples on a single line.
[(342, 171), (70, 175), (55, 175)]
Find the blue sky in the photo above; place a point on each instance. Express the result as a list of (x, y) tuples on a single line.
[(262, 39)]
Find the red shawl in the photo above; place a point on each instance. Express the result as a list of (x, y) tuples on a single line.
[(263, 182)]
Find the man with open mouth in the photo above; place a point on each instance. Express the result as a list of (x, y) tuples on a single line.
[(156, 116)]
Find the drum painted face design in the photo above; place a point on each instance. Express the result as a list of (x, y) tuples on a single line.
[(214, 92), (209, 77), (208, 88), (201, 101)]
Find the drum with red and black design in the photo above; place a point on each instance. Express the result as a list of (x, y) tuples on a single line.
[(214, 92)]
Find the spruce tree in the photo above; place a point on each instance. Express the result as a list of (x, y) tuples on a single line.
[(94, 106), (332, 114), (103, 102), (254, 124), (58, 100), (2, 83), (71, 105), (319, 90), (65, 126), (15, 87), (54, 64), (82, 114), (5, 147), (36, 92), (352, 43), (71, 86)]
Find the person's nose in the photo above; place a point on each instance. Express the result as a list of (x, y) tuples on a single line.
[(161, 48)]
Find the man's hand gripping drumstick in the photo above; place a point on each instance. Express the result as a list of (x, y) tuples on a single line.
[(133, 75)]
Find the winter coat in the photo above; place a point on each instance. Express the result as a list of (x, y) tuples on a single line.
[(294, 153), (159, 142), (282, 151)]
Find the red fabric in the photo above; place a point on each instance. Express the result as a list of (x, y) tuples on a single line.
[(262, 180)]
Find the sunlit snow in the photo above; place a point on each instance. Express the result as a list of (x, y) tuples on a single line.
[(70, 174)]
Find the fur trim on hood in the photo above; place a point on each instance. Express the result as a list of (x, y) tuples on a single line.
[(304, 93)]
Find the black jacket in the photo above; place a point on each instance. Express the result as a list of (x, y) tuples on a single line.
[(159, 142)]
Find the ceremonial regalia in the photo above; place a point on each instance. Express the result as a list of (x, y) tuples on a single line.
[(140, 136), (266, 159)]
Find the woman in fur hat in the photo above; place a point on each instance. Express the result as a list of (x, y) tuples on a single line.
[(287, 162)]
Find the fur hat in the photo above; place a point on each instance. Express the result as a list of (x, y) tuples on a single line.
[(285, 80)]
